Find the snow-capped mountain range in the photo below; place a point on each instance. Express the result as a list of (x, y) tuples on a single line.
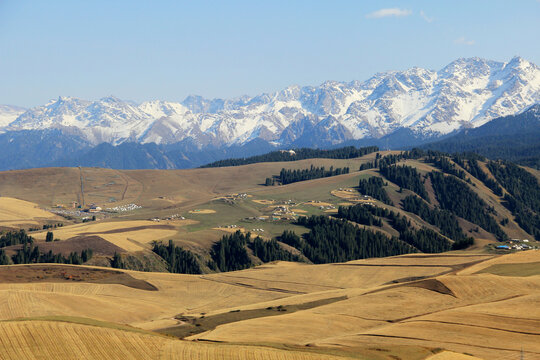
[(465, 93)]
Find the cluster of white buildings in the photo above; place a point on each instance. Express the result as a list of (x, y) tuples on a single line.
[(170, 217), (517, 244), (123, 208)]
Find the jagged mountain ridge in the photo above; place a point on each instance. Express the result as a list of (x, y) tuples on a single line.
[(466, 93)]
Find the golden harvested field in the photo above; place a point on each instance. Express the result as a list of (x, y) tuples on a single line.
[(263, 202), (128, 235), (478, 314), (202, 211), (15, 212), (230, 230), (43, 339), (346, 194)]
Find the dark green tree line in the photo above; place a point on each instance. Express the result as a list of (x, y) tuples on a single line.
[(229, 253), (443, 219), (523, 198), (330, 240), (456, 197), (291, 176), (406, 177), (348, 152), (15, 238), (270, 251), (29, 254), (373, 187)]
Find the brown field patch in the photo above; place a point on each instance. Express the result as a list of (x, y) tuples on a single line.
[(69, 273), (77, 244), (300, 211), (433, 285)]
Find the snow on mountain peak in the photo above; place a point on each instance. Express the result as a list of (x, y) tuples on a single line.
[(9, 113), (466, 92)]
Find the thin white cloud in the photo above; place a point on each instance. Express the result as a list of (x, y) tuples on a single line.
[(463, 41), (427, 18), (396, 12)]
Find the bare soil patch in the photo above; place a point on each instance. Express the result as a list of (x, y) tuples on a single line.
[(80, 243), (433, 285), (190, 325), (69, 273)]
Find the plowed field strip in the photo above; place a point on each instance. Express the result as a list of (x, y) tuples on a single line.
[(472, 325), (447, 342), (281, 281), (249, 286)]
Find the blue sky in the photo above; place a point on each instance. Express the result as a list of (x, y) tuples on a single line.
[(143, 50)]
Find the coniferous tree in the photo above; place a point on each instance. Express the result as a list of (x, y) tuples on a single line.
[(374, 187), (456, 197), (291, 176), (523, 198), (117, 261), (178, 260), (330, 240), (270, 251), (443, 219), (15, 238), (4, 260), (406, 177)]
